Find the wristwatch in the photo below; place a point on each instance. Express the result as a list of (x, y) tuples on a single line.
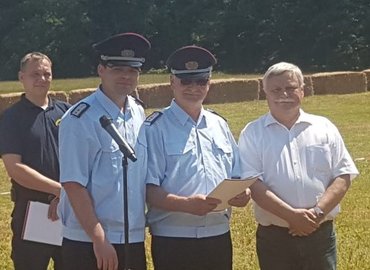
[(318, 211)]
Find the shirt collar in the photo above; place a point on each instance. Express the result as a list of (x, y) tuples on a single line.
[(303, 118), (29, 104), (182, 116), (109, 106)]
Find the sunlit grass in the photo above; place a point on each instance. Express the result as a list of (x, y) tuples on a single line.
[(92, 82), (351, 115)]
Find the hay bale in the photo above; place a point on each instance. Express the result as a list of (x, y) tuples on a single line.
[(155, 95), (76, 95), (338, 83), (261, 92), (367, 75), (59, 95), (232, 90), (7, 100), (308, 86)]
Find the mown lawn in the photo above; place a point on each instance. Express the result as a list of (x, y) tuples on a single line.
[(92, 82), (351, 115)]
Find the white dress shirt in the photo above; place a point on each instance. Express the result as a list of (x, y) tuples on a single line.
[(297, 164)]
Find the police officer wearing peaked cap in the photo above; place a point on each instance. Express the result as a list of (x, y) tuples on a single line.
[(126, 49), (91, 164), (189, 152), (191, 62)]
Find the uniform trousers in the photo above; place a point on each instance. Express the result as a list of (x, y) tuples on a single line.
[(210, 253), (278, 250), (80, 255), (28, 255)]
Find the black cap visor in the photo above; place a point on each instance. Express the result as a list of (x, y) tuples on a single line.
[(203, 75), (132, 64)]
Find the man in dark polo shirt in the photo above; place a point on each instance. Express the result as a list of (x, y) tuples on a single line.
[(29, 149)]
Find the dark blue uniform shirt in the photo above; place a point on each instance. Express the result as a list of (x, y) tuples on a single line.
[(31, 132)]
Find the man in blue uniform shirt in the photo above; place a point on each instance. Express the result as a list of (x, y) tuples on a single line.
[(91, 207), (29, 149), (190, 151)]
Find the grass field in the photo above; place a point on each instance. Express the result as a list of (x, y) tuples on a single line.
[(351, 115), (91, 82)]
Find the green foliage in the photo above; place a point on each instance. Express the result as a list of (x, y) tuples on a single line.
[(246, 36)]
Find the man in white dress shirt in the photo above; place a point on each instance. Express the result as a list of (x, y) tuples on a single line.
[(306, 169)]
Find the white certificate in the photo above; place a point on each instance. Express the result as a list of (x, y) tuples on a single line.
[(37, 226), (228, 189)]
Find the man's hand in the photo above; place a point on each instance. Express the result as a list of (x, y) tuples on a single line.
[(241, 199), (302, 223), (52, 212), (106, 255), (200, 205)]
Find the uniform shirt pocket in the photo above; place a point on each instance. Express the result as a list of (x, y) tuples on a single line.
[(179, 157), (221, 148), (223, 152), (179, 148), (112, 156), (319, 159)]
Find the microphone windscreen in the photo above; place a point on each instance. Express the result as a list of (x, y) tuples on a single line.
[(105, 121)]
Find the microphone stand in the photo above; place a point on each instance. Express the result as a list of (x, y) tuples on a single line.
[(125, 211), (127, 152)]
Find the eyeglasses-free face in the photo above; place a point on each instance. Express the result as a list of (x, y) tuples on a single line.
[(188, 81)]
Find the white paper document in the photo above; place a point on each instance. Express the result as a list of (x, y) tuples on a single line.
[(37, 226), (228, 189)]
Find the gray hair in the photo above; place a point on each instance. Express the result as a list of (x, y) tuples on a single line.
[(33, 56), (280, 68)]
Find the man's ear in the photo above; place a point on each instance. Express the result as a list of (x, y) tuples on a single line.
[(99, 69), (20, 76)]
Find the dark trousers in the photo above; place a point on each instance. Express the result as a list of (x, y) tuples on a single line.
[(210, 253), (278, 250), (28, 255), (80, 255)]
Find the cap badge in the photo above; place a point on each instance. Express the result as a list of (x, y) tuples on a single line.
[(191, 65), (127, 53)]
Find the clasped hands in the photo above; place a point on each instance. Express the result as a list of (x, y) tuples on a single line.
[(304, 222)]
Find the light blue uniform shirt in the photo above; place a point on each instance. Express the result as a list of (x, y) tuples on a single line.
[(187, 158), (90, 157)]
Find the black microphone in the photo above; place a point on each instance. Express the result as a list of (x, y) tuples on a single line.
[(125, 148)]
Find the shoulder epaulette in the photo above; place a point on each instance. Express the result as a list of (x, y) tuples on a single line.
[(139, 101), (152, 118), (80, 109), (212, 111)]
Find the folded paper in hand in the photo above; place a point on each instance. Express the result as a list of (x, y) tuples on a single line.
[(38, 228), (228, 189)]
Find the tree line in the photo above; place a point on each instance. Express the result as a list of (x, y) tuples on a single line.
[(245, 35)]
